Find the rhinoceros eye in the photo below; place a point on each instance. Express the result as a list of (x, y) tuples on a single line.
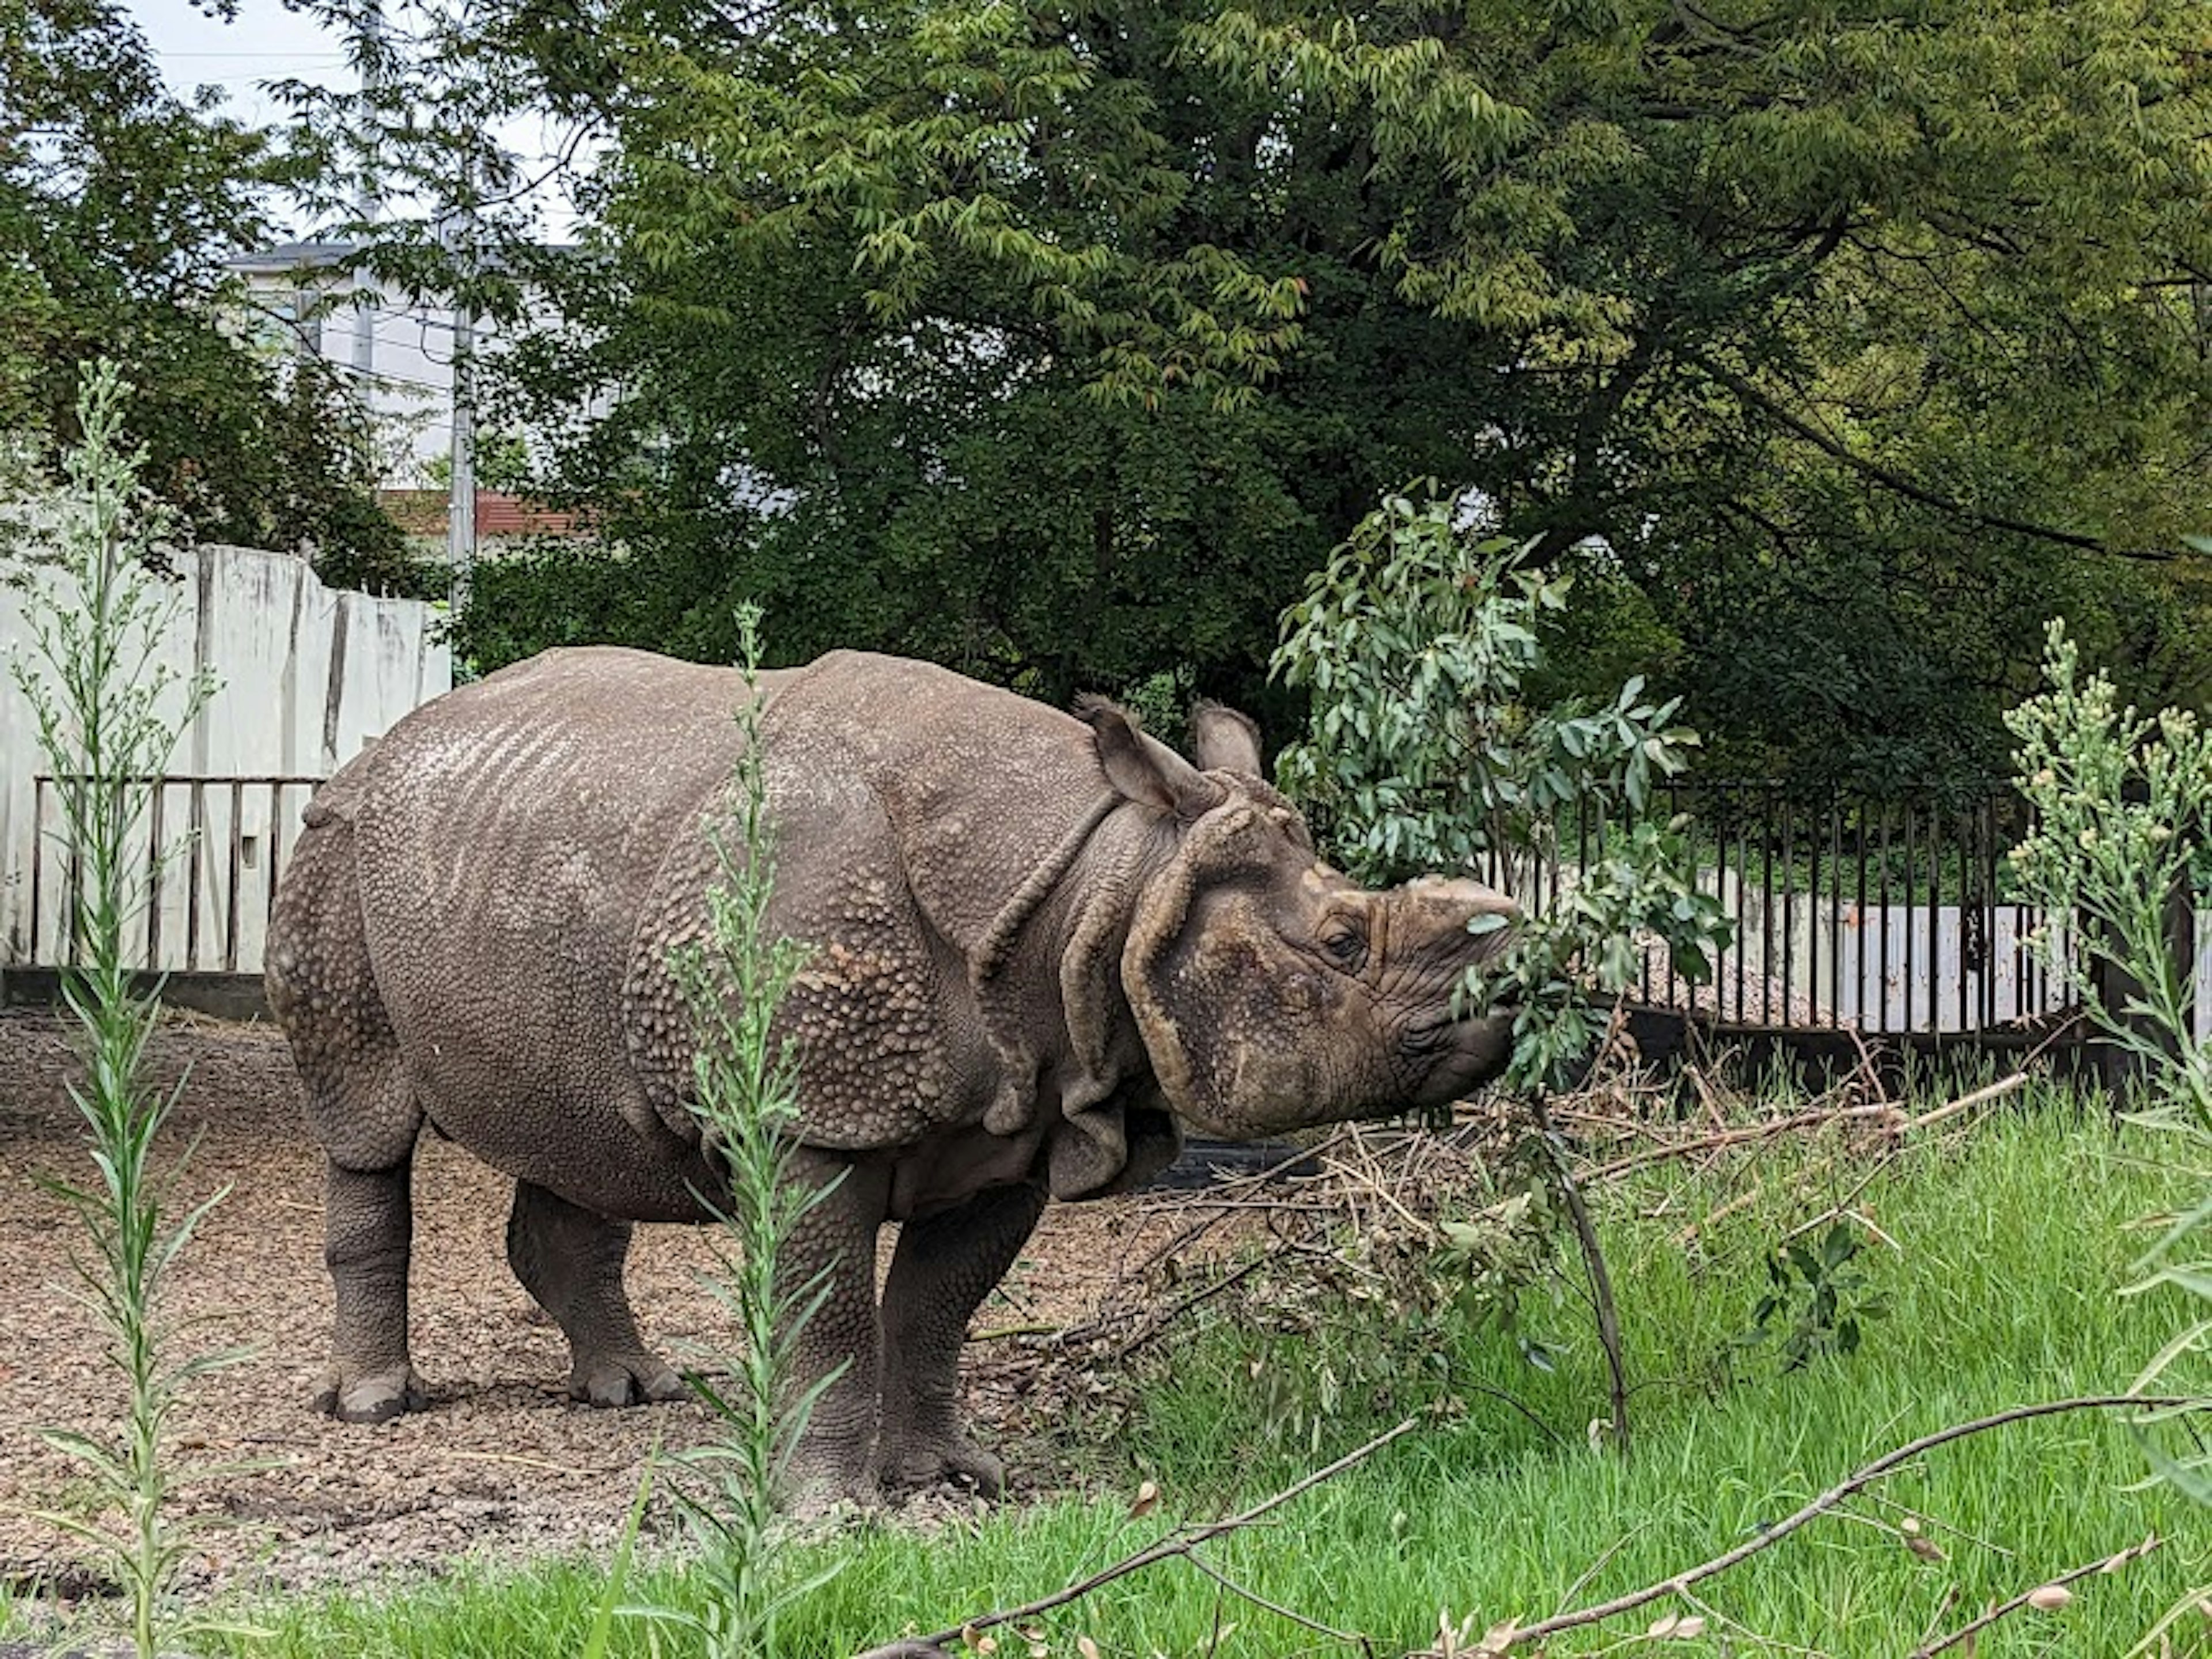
[(1346, 944)]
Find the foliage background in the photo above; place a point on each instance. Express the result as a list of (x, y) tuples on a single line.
[(1061, 343), (119, 203)]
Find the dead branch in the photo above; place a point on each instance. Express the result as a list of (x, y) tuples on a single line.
[(1764, 1643), (1160, 1322), (1951, 1598), (1981, 1096), (1350, 1638), (1967, 1632), (1510, 1636), (1521, 1405), (1179, 1545), (1914, 1517), (1720, 1140), (1883, 1114), (1590, 1573), (1608, 1316)]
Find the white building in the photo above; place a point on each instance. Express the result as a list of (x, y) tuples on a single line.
[(400, 351)]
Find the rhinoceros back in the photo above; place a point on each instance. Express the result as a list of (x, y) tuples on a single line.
[(504, 839), (527, 847)]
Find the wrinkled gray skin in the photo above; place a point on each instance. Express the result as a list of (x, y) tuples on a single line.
[(1041, 945)]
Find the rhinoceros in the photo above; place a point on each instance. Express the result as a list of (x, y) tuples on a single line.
[(1039, 945)]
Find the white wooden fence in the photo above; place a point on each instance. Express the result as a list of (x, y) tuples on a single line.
[(309, 675)]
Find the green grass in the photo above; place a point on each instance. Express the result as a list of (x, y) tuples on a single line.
[(2011, 1247)]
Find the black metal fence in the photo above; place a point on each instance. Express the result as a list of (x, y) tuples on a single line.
[(1886, 917), (210, 853)]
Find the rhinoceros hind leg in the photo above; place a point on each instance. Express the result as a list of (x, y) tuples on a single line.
[(368, 1230), (944, 1266), (831, 1252), (571, 1260), (362, 1106)]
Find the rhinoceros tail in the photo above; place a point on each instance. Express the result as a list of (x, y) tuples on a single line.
[(336, 800)]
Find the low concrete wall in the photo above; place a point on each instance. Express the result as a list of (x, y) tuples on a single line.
[(221, 996)]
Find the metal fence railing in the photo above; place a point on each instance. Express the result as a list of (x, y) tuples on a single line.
[(209, 853), (1884, 916)]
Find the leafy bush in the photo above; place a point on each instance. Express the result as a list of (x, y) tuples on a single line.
[(1416, 641), (1817, 1300)]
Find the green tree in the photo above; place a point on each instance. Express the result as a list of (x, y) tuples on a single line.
[(1062, 342), (119, 203)]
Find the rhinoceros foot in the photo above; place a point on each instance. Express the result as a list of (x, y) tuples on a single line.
[(624, 1380), (377, 1397), (953, 1459)]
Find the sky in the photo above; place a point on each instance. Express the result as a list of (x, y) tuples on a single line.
[(267, 43)]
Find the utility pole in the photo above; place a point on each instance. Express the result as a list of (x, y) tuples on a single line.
[(461, 510), (369, 204)]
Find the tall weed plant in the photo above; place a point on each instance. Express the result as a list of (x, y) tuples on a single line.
[(745, 1095), (108, 716), (2122, 804)]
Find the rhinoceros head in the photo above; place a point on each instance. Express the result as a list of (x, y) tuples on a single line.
[(1271, 992)]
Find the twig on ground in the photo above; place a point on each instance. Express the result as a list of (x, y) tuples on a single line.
[(1002, 1332), (1882, 1114), (1178, 1242), (1177, 1545), (1524, 1408), (1350, 1639), (1714, 1615), (1167, 1316), (521, 1462), (1598, 1567), (1514, 1636), (1608, 1316), (1720, 1140), (1867, 1068), (1930, 1521), (1967, 1102), (1967, 1632), (1951, 1599)]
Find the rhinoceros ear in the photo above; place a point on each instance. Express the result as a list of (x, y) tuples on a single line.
[(1143, 769), (1224, 741)]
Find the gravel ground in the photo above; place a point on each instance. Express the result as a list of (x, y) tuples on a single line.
[(502, 1464)]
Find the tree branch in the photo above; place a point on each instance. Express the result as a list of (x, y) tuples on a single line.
[(1350, 1639), (1511, 1636), (1966, 1632), (1891, 479)]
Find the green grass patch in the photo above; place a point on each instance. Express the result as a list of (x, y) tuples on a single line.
[(2010, 1246)]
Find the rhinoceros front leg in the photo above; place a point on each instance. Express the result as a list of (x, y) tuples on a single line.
[(831, 1254), (368, 1232), (571, 1260), (944, 1266)]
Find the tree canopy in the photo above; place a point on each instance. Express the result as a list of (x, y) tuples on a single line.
[(119, 203), (1838, 344)]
